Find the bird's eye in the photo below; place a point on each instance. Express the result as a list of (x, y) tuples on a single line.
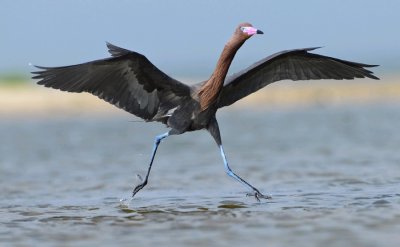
[(242, 28)]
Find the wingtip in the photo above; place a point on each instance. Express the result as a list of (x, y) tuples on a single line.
[(116, 51), (371, 65), (374, 77), (39, 67), (108, 44), (38, 74), (36, 66), (313, 48)]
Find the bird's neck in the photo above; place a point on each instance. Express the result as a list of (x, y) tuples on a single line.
[(209, 92)]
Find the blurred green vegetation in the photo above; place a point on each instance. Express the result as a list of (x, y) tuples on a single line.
[(13, 79)]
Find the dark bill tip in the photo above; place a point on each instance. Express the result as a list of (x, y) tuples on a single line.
[(260, 32)]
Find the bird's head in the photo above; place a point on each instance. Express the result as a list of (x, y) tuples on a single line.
[(246, 30)]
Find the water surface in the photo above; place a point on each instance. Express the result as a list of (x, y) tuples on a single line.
[(333, 173)]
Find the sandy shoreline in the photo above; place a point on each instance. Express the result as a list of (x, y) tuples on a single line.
[(32, 99)]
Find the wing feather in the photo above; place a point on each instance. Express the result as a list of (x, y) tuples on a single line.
[(292, 65), (127, 80)]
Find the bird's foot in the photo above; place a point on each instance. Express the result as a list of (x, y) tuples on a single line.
[(138, 187), (258, 195)]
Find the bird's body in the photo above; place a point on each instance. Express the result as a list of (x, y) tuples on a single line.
[(131, 82)]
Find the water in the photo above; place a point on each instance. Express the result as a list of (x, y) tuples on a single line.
[(333, 173)]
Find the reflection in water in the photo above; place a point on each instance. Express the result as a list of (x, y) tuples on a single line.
[(333, 174)]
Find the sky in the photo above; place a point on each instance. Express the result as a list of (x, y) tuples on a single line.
[(184, 37)]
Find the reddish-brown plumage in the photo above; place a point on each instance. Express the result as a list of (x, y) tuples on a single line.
[(209, 92)]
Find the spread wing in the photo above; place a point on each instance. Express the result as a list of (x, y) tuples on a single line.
[(127, 80), (293, 65)]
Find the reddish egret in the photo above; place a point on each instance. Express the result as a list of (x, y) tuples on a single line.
[(130, 81)]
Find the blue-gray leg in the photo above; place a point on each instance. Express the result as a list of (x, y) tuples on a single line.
[(214, 131), (257, 194), (156, 143)]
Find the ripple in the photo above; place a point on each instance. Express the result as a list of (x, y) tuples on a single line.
[(341, 192), (232, 205), (381, 203)]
